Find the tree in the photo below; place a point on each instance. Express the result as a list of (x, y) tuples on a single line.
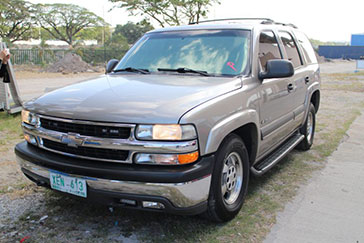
[(15, 20), (167, 12), (100, 33), (131, 31), (65, 21), (118, 41)]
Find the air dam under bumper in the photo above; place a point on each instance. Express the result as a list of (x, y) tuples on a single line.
[(177, 196)]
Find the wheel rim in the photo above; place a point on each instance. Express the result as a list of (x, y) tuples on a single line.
[(309, 131), (232, 178)]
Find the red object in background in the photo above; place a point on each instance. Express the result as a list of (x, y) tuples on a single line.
[(24, 239), (231, 64)]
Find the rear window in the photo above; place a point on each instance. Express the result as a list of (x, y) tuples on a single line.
[(308, 51)]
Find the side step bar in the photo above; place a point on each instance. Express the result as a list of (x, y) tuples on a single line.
[(272, 159)]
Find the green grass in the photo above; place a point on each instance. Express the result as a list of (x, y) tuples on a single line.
[(10, 127)]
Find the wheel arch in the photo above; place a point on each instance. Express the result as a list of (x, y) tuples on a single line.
[(315, 99), (249, 134), (242, 124)]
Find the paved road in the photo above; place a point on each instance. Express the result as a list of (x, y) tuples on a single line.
[(331, 207)]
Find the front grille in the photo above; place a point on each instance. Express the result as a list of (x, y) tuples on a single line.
[(108, 154), (85, 129)]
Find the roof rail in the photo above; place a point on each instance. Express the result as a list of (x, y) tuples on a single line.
[(290, 25), (215, 20), (264, 21)]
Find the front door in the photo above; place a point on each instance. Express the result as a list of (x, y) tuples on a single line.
[(276, 107)]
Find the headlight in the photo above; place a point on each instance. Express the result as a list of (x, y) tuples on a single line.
[(166, 132), (28, 118)]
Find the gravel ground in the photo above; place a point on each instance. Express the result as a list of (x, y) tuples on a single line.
[(43, 215)]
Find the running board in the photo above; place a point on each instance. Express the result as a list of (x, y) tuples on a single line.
[(272, 159)]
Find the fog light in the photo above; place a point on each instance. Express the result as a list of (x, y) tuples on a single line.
[(166, 159), (156, 205), (159, 159), (128, 202), (30, 139)]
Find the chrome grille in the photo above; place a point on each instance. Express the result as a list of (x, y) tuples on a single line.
[(100, 153)]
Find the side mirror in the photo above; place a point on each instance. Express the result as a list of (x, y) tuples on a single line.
[(277, 68), (110, 65)]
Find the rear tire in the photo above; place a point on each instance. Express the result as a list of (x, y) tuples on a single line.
[(230, 179), (308, 129)]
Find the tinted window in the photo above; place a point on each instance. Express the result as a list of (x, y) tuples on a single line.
[(268, 48), (291, 48), (306, 47), (219, 52)]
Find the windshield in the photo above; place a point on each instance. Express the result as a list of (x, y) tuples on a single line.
[(217, 52)]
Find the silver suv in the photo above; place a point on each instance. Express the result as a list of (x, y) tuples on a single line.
[(180, 123)]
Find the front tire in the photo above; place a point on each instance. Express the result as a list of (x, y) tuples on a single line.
[(308, 129), (229, 180)]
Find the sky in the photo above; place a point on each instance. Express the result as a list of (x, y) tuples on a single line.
[(319, 19)]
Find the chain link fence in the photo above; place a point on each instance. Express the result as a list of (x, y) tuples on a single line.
[(49, 56)]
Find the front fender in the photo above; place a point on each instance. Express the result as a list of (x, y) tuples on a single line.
[(228, 125)]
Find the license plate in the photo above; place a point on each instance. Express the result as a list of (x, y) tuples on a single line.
[(72, 185)]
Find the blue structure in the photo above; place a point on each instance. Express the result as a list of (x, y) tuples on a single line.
[(357, 40), (345, 52), (354, 51)]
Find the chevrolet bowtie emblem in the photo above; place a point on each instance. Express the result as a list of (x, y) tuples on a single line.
[(72, 139)]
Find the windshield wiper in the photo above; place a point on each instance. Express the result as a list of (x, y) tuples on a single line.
[(133, 70), (184, 70)]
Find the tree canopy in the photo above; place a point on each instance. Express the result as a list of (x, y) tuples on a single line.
[(15, 20), (167, 12), (131, 31), (65, 21)]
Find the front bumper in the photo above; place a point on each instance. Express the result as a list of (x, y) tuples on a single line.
[(182, 189)]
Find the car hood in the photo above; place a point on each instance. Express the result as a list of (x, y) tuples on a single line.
[(132, 98)]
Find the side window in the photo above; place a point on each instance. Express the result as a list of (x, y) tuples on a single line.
[(268, 48), (291, 48), (306, 47)]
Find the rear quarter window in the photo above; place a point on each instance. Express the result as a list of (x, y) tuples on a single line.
[(307, 49)]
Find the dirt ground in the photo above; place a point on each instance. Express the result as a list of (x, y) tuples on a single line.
[(42, 215)]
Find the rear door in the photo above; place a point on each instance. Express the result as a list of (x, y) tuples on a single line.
[(300, 78)]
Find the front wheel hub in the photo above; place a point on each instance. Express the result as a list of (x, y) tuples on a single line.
[(232, 178)]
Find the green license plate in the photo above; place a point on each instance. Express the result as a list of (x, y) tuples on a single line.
[(64, 183)]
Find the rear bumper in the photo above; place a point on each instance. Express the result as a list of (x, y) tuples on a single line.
[(182, 190)]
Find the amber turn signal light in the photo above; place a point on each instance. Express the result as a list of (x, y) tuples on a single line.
[(187, 158)]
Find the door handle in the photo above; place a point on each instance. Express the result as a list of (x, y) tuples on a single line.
[(290, 87), (307, 80)]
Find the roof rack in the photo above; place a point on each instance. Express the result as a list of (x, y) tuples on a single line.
[(290, 25), (215, 20), (264, 21)]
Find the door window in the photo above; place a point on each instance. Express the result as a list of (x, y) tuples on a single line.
[(291, 48), (268, 48)]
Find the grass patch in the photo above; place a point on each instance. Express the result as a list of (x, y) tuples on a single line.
[(352, 86), (10, 123), (343, 75), (10, 127)]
